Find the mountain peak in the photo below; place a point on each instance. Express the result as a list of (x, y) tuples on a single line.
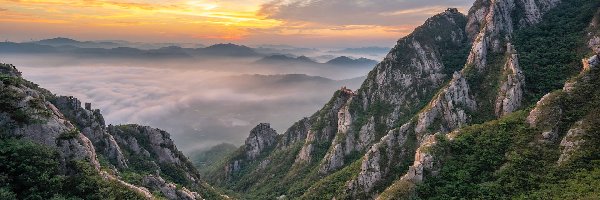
[(452, 11), (261, 138), (9, 70), (58, 40), (345, 60)]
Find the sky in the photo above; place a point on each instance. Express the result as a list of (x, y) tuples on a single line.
[(307, 23)]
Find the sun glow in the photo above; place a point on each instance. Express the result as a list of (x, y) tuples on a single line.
[(191, 19), (203, 5), (298, 22)]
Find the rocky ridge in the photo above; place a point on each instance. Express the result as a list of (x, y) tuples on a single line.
[(80, 134), (377, 138)]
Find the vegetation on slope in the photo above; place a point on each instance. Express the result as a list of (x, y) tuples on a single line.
[(32, 171), (507, 159), (204, 159), (551, 51)]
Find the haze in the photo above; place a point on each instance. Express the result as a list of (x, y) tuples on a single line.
[(200, 103)]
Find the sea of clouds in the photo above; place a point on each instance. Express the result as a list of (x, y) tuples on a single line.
[(201, 104)]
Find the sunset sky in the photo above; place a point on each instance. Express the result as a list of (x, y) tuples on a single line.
[(310, 23)]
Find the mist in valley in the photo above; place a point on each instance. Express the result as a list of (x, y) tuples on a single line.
[(201, 101)]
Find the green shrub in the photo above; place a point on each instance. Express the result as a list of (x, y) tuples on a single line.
[(32, 171), (70, 134)]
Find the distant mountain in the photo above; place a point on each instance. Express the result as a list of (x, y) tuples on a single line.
[(227, 50), (284, 49), (279, 59), (61, 41), (345, 60), (58, 41), (26, 48), (363, 50), (70, 47)]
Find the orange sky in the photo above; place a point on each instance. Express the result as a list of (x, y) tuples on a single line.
[(204, 21)]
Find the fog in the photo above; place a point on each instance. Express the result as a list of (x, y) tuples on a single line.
[(200, 102)]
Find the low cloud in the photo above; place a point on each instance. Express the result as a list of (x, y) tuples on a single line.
[(199, 105)]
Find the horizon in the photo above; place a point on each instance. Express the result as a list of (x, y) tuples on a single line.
[(200, 45)]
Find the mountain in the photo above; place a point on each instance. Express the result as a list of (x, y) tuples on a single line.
[(69, 47), (54, 148), (345, 60), (284, 59), (289, 60), (363, 51), (284, 49), (227, 50), (205, 158), (450, 112), (501, 103), (60, 41)]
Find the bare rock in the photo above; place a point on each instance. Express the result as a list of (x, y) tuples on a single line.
[(423, 161), (168, 189), (546, 114), (510, 94), (261, 138), (448, 108), (571, 142)]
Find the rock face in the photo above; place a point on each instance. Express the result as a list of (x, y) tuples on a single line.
[(591, 62), (169, 190), (415, 62), (91, 124), (571, 142), (423, 161), (449, 108), (261, 138), (490, 25), (41, 121), (324, 126), (294, 134), (376, 163), (155, 151), (46, 125), (429, 83), (80, 134), (510, 95)]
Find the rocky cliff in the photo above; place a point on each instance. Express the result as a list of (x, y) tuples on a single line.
[(115, 153), (451, 72)]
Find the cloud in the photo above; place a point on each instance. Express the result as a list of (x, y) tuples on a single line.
[(357, 12), (200, 105)]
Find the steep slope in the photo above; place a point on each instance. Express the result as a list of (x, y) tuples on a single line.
[(379, 137), (340, 132), (491, 69), (97, 162), (550, 152)]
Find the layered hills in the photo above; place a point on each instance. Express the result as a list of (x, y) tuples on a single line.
[(501, 103)]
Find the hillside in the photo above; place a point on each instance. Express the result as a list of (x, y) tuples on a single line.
[(53, 148), (501, 103), (447, 114)]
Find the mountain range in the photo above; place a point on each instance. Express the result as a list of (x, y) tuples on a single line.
[(501, 103), (112, 50)]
